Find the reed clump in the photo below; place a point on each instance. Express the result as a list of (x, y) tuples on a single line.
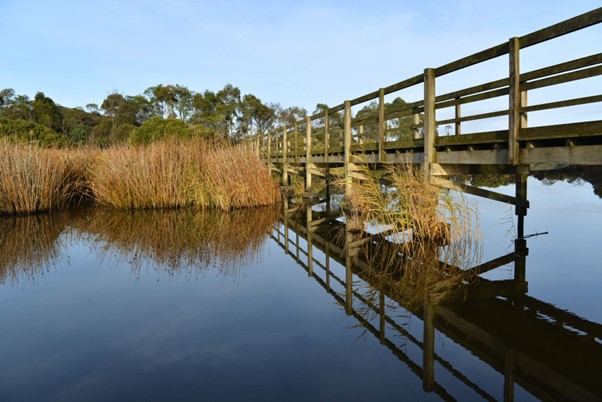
[(34, 179), (172, 174), (181, 174), (432, 234)]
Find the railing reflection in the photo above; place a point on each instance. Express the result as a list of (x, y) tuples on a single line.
[(551, 353)]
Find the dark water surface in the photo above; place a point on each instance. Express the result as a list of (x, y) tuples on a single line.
[(181, 305)]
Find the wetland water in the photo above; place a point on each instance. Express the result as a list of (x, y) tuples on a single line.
[(181, 305)]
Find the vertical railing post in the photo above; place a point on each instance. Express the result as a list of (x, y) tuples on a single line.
[(326, 136), (514, 118), (415, 124), (360, 134), (269, 150), (307, 154), (296, 143), (284, 157), (458, 110), (430, 129), (347, 149), (381, 126)]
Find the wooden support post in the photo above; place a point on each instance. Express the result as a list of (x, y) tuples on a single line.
[(415, 124), (428, 348), (520, 263), (382, 124), (430, 129), (458, 109), (326, 136), (347, 149), (308, 154), (514, 118), (521, 194), (284, 157)]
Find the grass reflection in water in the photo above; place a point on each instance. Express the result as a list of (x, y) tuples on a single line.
[(168, 240)]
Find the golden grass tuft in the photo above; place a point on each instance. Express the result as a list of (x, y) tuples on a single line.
[(436, 231), (181, 174), (33, 179)]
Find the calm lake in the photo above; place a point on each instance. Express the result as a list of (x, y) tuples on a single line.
[(99, 305)]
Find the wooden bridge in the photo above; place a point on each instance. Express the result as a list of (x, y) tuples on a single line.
[(335, 142), (551, 353)]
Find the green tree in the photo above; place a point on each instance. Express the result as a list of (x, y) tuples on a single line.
[(18, 130), (255, 117), (156, 129), (6, 98), (46, 112)]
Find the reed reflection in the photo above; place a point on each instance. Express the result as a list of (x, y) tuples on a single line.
[(166, 240), (30, 245), (177, 238)]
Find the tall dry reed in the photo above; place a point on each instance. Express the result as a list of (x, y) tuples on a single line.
[(181, 174), (33, 179), (433, 233)]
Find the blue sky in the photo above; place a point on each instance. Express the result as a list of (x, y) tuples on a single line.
[(294, 53)]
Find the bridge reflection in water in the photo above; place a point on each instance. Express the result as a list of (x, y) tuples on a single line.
[(551, 353)]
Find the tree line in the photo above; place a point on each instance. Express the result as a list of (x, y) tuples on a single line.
[(161, 111)]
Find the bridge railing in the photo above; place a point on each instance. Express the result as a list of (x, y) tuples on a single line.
[(414, 126)]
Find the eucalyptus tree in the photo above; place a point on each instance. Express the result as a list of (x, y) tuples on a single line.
[(46, 112), (255, 117)]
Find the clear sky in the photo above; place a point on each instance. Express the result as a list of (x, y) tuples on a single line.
[(291, 52)]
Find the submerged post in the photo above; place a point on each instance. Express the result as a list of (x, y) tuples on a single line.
[(430, 129)]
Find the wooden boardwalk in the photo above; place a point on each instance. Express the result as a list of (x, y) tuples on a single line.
[(336, 142)]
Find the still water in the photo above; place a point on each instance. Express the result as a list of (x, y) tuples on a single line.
[(181, 305)]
